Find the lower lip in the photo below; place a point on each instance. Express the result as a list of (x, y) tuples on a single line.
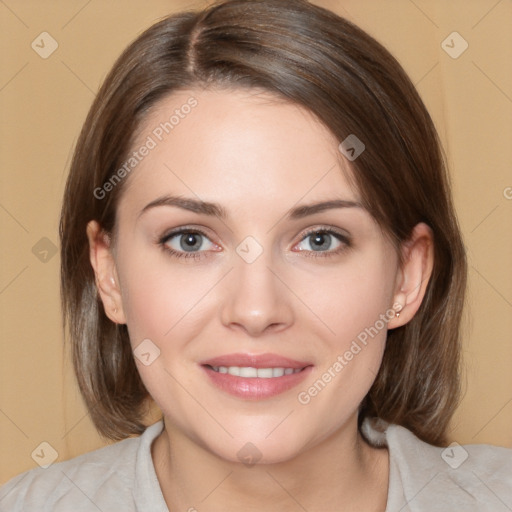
[(255, 388)]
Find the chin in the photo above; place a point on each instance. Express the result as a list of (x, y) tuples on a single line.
[(253, 446)]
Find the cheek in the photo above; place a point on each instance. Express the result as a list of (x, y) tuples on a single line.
[(352, 297), (162, 303), (160, 299), (356, 305)]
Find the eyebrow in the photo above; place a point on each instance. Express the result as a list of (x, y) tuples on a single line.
[(214, 209)]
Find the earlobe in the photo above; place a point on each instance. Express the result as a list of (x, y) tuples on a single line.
[(103, 264), (414, 275)]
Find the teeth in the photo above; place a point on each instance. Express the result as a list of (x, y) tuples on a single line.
[(277, 372), (250, 372), (234, 370), (265, 373), (247, 372)]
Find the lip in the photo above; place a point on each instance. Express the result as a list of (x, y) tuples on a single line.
[(266, 360), (255, 388)]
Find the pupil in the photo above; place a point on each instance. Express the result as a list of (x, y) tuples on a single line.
[(190, 241)]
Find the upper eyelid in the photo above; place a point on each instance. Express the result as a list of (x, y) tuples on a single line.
[(182, 230), (326, 229)]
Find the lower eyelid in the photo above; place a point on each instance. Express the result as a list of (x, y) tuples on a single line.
[(195, 255)]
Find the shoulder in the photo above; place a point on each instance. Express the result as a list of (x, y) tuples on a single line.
[(107, 477), (426, 477)]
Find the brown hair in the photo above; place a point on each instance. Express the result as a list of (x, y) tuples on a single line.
[(312, 57)]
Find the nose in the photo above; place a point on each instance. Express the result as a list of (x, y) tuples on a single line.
[(255, 299)]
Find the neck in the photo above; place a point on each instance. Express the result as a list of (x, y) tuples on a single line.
[(342, 472)]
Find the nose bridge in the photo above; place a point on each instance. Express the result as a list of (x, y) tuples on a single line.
[(255, 299)]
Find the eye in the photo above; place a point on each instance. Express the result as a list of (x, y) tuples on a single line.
[(324, 241), (186, 243)]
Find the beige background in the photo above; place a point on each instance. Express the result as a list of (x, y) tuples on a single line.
[(44, 102)]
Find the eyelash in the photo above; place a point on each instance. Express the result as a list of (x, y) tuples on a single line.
[(197, 255)]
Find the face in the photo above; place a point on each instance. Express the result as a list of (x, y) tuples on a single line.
[(262, 317)]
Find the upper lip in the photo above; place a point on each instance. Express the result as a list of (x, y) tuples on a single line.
[(255, 361)]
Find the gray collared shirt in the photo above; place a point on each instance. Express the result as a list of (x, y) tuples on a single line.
[(121, 477)]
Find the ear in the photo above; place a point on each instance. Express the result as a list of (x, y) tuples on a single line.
[(103, 263), (414, 275)]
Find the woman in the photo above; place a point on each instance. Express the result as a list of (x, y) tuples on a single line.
[(257, 234)]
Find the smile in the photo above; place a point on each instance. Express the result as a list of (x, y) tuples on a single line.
[(255, 376), (251, 373)]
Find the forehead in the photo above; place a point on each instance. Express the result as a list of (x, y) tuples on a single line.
[(236, 147)]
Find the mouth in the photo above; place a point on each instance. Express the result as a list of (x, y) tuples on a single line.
[(255, 377), (249, 372)]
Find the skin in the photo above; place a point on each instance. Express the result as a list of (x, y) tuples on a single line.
[(257, 157)]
